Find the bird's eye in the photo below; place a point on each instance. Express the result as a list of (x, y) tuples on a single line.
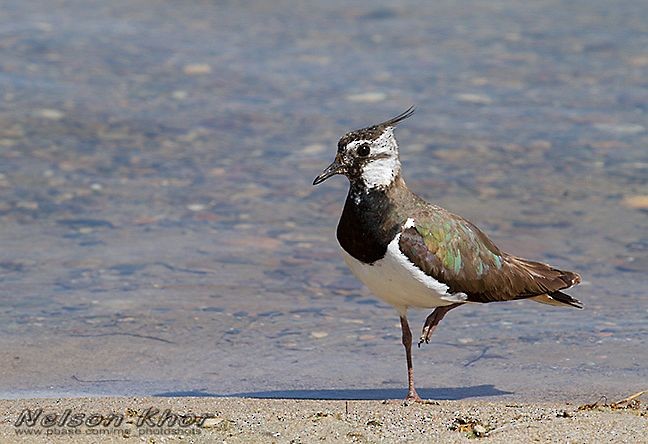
[(364, 150)]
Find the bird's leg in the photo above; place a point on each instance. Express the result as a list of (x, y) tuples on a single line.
[(433, 320), (407, 342)]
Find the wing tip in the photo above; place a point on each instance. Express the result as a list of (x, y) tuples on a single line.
[(564, 298)]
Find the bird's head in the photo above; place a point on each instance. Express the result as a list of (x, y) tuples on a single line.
[(368, 156)]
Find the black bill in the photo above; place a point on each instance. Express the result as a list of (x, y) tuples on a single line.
[(331, 170)]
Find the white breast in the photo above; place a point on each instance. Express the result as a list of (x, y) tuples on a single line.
[(397, 281)]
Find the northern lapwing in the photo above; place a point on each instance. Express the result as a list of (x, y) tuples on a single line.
[(413, 254)]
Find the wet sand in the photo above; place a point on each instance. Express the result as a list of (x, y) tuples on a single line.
[(238, 420)]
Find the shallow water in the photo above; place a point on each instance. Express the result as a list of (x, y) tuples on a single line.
[(160, 234)]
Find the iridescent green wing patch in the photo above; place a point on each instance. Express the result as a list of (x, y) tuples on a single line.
[(459, 246), (453, 251)]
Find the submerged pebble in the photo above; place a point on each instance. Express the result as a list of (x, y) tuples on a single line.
[(195, 69), (368, 97), (636, 202)]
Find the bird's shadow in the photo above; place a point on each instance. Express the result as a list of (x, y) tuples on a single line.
[(444, 393)]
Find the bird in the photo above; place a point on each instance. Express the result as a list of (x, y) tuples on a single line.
[(416, 255)]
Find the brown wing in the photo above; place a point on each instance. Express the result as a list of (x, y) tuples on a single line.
[(457, 253)]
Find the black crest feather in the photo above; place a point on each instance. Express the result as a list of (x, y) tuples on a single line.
[(399, 118), (374, 131)]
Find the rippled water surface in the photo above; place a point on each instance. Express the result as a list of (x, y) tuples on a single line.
[(160, 234)]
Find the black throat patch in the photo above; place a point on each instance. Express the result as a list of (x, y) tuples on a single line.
[(368, 224)]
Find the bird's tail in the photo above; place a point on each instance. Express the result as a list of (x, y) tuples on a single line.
[(546, 282), (558, 298)]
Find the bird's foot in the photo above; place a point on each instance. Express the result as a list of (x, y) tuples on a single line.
[(411, 398), (426, 334), (414, 398), (433, 320)]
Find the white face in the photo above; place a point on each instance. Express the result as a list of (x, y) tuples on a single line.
[(382, 165)]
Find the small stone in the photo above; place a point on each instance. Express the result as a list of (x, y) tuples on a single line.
[(96, 187), (27, 205), (620, 128), (479, 430), (639, 202), (487, 192), (368, 97), (453, 155), (417, 148), (44, 26), (179, 95), (145, 220), (210, 423), (319, 334), (208, 217), (196, 69), (475, 99), (608, 145), (51, 114), (12, 132), (639, 61), (196, 207), (479, 81), (541, 144), (217, 172), (313, 149)]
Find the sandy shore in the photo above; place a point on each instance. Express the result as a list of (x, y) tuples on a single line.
[(303, 421)]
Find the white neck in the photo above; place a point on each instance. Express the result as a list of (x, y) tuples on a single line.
[(380, 173)]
